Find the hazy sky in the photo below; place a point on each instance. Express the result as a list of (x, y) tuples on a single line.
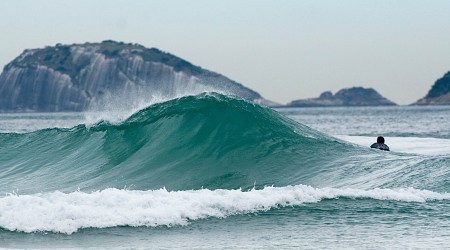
[(283, 49)]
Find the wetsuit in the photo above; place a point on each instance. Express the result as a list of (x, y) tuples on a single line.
[(381, 146)]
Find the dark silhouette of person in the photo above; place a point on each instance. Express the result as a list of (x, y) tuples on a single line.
[(380, 144)]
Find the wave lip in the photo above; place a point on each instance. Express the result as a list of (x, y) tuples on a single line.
[(68, 212)]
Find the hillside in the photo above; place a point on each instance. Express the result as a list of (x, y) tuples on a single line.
[(439, 93), (78, 76)]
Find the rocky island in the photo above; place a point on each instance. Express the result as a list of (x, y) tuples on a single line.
[(74, 77), (439, 93), (356, 96)]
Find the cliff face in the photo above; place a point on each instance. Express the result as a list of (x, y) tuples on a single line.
[(356, 96), (75, 77), (439, 93)]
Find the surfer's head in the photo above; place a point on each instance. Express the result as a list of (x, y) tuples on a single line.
[(380, 139)]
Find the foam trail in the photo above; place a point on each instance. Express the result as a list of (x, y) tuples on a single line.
[(68, 212)]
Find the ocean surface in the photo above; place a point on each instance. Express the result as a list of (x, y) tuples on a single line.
[(216, 172)]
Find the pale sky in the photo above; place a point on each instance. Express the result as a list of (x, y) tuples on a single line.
[(284, 49)]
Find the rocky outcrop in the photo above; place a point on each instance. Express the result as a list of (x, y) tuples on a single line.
[(439, 93), (76, 77), (356, 96)]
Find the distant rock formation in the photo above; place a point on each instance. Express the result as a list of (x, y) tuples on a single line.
[(74, 77), (356, 96), (439, 93)]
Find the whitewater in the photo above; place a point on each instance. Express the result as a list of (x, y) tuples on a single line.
[(214, 171)]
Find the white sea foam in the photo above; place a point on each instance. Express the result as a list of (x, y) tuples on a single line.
[(414, 145), (66, 213)]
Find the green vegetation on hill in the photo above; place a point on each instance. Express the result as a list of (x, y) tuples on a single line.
[(59, 57), (113, 49)]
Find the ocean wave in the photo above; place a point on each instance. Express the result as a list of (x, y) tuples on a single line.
[(68, 212), (211, 141)]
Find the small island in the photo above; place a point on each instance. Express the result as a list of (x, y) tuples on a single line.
[(355, 96), (439, 93)]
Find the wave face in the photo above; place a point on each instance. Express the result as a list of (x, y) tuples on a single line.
[(197, 141), (206, 141)]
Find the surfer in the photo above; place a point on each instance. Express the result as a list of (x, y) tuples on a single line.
[(380, 144)]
